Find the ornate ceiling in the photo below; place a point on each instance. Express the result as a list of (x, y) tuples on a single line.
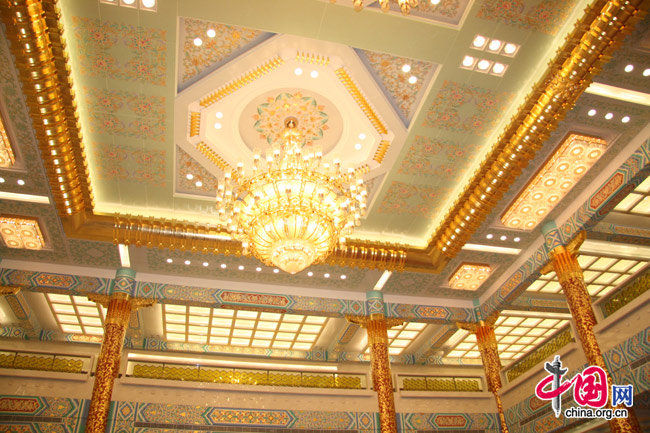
[(168, 99)]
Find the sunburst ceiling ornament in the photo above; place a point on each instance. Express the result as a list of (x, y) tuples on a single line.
[(293, 212)]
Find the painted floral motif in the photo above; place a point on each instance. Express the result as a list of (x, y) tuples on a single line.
[(126, 114), (464, 108), (226, 42), (119, 51), (312, 118), (440, 158), (546, 16), (388, 69), (404, 198), (92, 253), (445, 11), (128, 164), (186, 166)]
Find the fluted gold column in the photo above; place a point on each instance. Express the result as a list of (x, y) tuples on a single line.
[(377, 326), (487, 346), (566, 266), (108, 363)]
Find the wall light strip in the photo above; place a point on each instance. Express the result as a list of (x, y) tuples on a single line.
[(618, 93), (24, 197), (492, 249), (124, 255), (382, 280)]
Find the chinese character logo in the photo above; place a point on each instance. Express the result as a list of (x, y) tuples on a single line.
[(589, 387)]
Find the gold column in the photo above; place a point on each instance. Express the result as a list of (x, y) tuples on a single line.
[(118, 315), (487, 345), (377, 326), (566, 266)]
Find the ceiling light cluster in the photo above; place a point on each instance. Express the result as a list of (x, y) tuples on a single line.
[(494, 46), (145, 5), (198, 183), (294, 209), (299, 71), (21, 233), (570, 162), (608, 116), (502, 237)]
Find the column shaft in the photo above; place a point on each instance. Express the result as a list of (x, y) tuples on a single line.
[(569, 273), (381, 375), (108, 363), (487, 345)]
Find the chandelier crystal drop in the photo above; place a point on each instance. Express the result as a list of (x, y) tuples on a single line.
[(294, 209)]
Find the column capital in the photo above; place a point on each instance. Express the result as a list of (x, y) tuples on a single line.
[(473, 326), (136, 303), (9, 290), (364, 320), (124, 281)]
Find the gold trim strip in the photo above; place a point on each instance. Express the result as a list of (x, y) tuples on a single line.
[(240, 82), (354, 91), (312, 59), (381, 151), (7, 158), (589, 46), (38, 46), (195, 123)]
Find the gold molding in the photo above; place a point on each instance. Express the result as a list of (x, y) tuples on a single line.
[(240, 82), (381, 151), (37, 43), (195, 123), (216, 159), (312, 59), (361, 101)]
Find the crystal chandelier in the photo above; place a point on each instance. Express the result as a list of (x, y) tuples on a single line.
[(294, 208)]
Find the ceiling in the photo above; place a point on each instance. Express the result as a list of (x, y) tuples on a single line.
[(167, 99)]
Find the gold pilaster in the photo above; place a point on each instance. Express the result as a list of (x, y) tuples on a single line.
[(487, 346), (118, 315), (377, 326), (566, 266)]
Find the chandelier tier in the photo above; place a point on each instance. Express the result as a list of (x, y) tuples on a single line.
[(296, 209)]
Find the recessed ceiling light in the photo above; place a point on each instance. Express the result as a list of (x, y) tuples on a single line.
[(625, 119), (314, 74), (646, 72), (489, 236), (149, 4), (276, 270), (406, 68), (241, 267), (224, 266), (219, 114), (187, 262), (20, 182), (629, 68), (2, 180), (516, 239), (592, 112), (206, 264), (435, 2), (479, 41), (413, 79), (498, 68), (211, 33), (198, 42), (326, 275), (609, 116), (170, 260), (189, 176), (310, 274), (297, 71), (128, 2), (362, 136), (217, 125), (343, 277), (510, 48), (494, 45), (258, 269), (468, 61), (198, 183), (483, 65), (503, 238), (357, 146)]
